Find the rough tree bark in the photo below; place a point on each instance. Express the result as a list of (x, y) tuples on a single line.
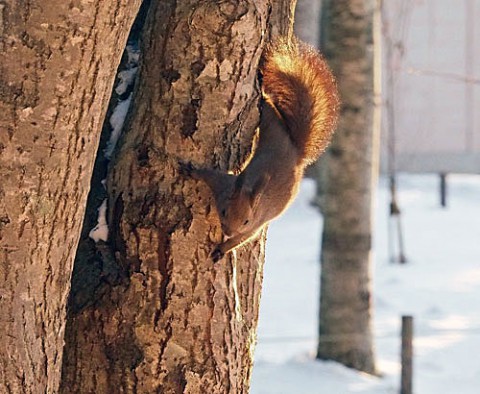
[(164, 318), (57, 66), (351, 164)]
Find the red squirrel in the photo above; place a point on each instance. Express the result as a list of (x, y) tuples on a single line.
[(298, 116)]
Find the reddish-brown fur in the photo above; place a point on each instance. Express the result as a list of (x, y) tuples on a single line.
[(297, 80)]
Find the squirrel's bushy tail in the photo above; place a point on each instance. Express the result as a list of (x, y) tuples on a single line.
[(298, 82)]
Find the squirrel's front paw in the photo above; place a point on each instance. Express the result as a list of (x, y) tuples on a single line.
[(217, 255)]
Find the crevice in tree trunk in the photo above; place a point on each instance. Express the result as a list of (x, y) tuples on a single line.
[(95, 266)]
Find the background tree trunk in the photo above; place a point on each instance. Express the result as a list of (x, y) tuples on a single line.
[(168, 320), (57, 66), (351, 165)]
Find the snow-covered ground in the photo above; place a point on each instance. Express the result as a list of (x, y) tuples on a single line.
[(439, 286)]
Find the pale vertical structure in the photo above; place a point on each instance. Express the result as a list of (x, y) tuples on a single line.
[(469, 75), (307, 15), (345, 329), (57, 66), (169, 320)]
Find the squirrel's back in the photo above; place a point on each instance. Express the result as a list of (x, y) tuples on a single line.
[(299, 84)]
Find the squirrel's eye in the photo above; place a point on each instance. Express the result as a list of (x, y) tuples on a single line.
[(246, 222), (224, 212)]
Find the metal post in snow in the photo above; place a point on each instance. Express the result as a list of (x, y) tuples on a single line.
[(406, 384)]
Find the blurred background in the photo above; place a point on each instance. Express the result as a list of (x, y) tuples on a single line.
[(424, 256)]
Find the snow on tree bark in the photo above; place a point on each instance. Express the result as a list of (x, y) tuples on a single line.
[(171, 321), (57, 67)]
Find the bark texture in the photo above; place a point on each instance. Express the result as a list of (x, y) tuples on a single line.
[(57, 65), (162, 318), (351, 164)]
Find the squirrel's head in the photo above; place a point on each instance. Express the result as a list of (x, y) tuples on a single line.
[(238, 215)]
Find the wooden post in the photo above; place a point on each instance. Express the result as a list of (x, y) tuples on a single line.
[(407, 355), (443, 190)]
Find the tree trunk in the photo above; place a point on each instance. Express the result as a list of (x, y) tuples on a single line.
[(163, 317), (58, 63), (345, 333)]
